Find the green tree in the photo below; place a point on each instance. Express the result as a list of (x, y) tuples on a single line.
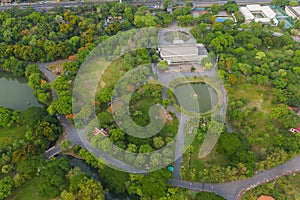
[(284, 116), (158, 142), (65, 195), (113, 28), (105, 119), (207, 196), (280, 3), (89, 189), (66, 144), (53, 177), (6, 187), (228, 143), (152, 186), (215, 8), (114, 179), (231, 6), (105, 94), (8, 117), (116, 134), (32, 116), (163, 65), (70, 67)]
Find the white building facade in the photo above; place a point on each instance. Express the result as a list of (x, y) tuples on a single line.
[(293, 12), (258, 13)]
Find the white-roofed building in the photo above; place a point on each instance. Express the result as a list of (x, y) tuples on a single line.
[(262, 20), (247, 14), (269, 13), (254, 7), (293, 12), (182, 53), (257, 13)]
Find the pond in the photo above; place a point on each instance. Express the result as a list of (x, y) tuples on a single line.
[(15, 93), (196, 96)]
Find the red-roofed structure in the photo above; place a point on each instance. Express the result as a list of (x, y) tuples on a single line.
[(295, 130), (263, 197), (102, 131), (298, 128)]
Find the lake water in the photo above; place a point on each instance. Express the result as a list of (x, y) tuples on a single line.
[(196, 97), (15, 93)]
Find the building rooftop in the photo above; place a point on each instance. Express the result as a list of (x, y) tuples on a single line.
[(182, 53), (254, 7), (246, 12), (268, 12), (250, 13), (295, 10), (179, 50), (262, 20)]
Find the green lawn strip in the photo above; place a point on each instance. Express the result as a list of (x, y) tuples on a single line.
[(30, 190), (113, 73), (143, 105), (259, 97), (13, 132)]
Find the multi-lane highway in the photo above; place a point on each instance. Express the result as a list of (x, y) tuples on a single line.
[(44, 6)]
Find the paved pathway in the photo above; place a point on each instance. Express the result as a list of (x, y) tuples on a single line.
[(52, 152), (233, 190), (74, 136), (230, 191)]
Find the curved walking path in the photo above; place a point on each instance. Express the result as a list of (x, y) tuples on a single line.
[(74, 136), (230, 190), (234, 190)]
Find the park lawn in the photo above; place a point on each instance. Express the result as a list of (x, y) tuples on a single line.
[(29, 190), (112, 73), (143, 105), (171, 127), (12, 133), (213, 158), (260, 97)]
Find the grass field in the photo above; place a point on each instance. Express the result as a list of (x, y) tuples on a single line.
[(12, 132), (29, 190), (259, 97), (143, 105)]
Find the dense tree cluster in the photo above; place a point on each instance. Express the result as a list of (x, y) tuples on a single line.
[(284, 187), (8, 117), (22, 158), (251, 54)]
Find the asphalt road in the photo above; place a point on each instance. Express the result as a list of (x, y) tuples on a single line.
[(233, 190), (230, 191), (73, 134), (49, 5)]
